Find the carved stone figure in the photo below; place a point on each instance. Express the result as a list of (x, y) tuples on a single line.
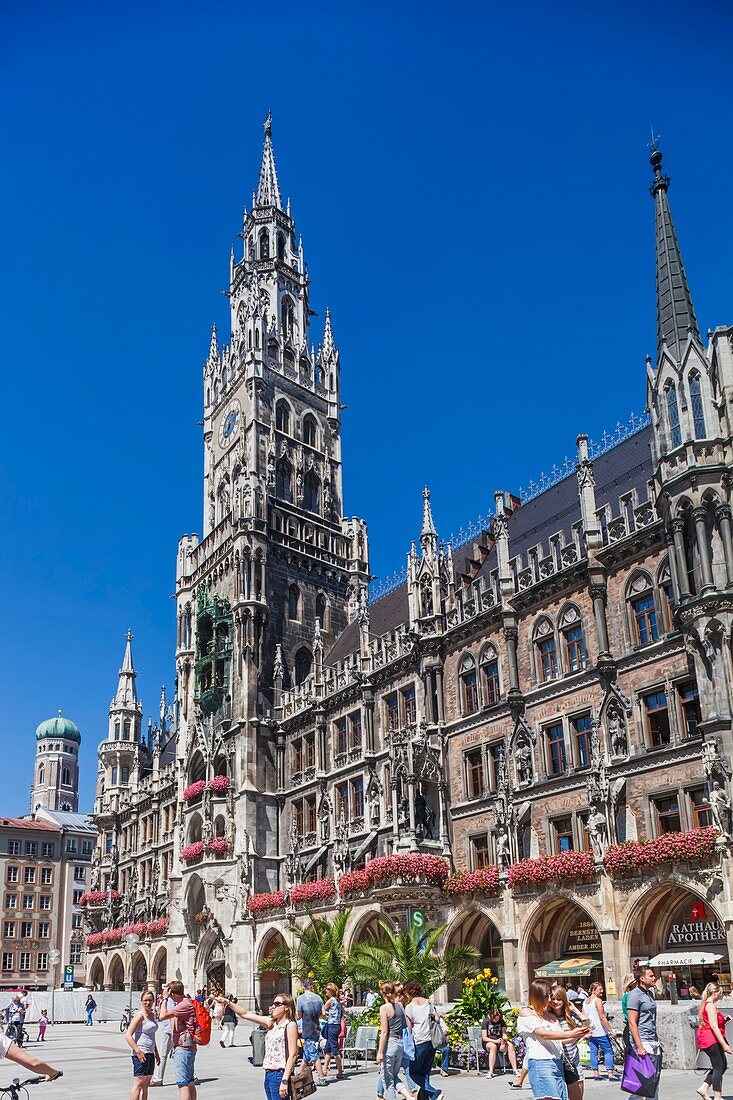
[(292, 859), (597, 828), (424, 816), (715, 765), (341, 853), (617, 734), (524, 762), (720, 808), (503, 848)]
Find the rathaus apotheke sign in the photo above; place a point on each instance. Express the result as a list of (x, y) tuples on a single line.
[(699, 931)]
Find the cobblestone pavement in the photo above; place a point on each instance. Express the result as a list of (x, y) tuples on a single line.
[(96, 1065)]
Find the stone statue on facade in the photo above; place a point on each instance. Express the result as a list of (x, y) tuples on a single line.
[(617, 738), (292, 859), (524, 763), (597, 828), (424, 817), (715, 765), (341, 852), (720, 808)]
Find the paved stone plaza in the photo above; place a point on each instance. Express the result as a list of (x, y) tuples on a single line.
[(96, 1065)]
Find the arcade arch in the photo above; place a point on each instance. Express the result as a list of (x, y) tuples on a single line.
[(270, 982), (116, 978), (474, 928), (563, 932), (96, 974)]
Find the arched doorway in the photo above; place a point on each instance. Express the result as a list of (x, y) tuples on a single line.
[(160, 968), (367, 929), (116, 980), (96, 974), (564, 944), (270, 982), (139, 972), (475, 929), (672, 921), (216, 970)]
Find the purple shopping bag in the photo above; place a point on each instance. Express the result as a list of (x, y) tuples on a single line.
[(641, 1074)]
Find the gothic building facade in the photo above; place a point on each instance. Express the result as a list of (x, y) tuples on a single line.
[(542, 714)]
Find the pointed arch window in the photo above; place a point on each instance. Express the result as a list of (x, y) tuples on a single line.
[(293, 602), (696, 405), (282, 417), (41, 773), (321, 609), (546, 651), (310, 432), (280, 246), (312, 494), (128, 730), (284, 480), (576, 657), (303, 662), (643, 610), (490, 676), (264, 244), (118, 731), (673, 415), (66, 777), (287, 317), (469, 684)]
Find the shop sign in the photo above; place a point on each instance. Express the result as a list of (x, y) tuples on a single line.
[(583, 939), (698, 931)]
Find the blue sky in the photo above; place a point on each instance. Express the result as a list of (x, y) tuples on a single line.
[(471, 184)]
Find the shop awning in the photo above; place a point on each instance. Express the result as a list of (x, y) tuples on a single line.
[(576, 967), (685, 958)]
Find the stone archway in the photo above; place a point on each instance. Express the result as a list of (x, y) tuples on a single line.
[(474, 928), (139, 972), (116, 974), (366, 929), (562, 930), (159, 969), (672, 918), (96, 974), (270, 982)]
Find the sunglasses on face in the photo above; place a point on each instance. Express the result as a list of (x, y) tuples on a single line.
[(278, 1004)]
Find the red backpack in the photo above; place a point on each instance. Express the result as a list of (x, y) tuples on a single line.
[(202, 1034)]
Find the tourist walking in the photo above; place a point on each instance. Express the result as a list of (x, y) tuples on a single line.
[(183, 1041), (89, 1007), (140, 1037), (281, 1042), (166, 1045), (392, 1020), (544, 1039), (495, 1037), (15, 1015), (425, 1020), (333, 1011), (711, 1038), (569, 1018), (642, 1009), (309, 1009), (228, 1022), (599, 1039), (42, 1025)]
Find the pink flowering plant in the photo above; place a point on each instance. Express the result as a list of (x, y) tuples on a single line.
[(409, 869), (98, 897), (219, 784), (557, 868), (192, 851), (218, 845), (194, 790), (95, 940), (157, 927), (483, 881), (261, 903), (693, 846), (308, 893)]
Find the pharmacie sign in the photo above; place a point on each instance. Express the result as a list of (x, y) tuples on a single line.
[(697, 931)]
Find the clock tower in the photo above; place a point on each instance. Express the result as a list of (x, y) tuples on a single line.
[(279, 570)]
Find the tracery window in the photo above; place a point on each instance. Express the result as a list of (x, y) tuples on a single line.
[(469, 684), (643, 610), (490, 673), (673, 415), (303, 662), (312, 492), (282, 417), (264, 244), (310, 431), (293, 602), (546, 651), (696, 405), (284, 480), (572, 630)]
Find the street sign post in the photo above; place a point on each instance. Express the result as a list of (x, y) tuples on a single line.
[(69, 977), (53, 957), (417, 920)]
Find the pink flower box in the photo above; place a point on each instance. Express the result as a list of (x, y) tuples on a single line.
[(194, 790), (157, 927), (693, 846), (484, 881), (260, 903), (219, 845), (308, 892), (220, 784), (408, 869), (557, 868), (98, 897), (192, 851)]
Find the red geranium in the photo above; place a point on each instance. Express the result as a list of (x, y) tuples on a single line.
[(410, 868), (219, 845), (483, 881), (98, 897), (219, 784), (693, 846), (565, 865), (193, 790), (259, 903), (192, 851), (321, 890)]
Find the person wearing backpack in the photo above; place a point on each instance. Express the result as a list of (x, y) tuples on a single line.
[(183, 1037)]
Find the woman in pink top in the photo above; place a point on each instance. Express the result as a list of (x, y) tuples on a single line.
[(711, 1038)]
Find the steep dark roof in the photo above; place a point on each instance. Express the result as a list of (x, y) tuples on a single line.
[(621, 470)]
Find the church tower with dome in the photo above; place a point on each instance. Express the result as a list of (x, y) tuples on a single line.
[(56, 774)]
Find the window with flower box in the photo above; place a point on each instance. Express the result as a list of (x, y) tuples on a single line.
[(409, 705), (581, 726), (469, 685), (667, 814), (584, 844), (341, 736), (474, 764), (700, 808), (557, 763), (690, 710), (656, 715), (480, 854), (392, 712)]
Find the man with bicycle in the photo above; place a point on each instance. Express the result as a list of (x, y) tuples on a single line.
[(10, 1050)]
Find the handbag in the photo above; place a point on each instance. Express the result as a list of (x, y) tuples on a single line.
[(641, 1074), (569, 1070), (437, 1038), (301, 1083)]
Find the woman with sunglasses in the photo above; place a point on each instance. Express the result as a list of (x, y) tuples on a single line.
[(569, 1018), (281, 1042), (544, 1039)]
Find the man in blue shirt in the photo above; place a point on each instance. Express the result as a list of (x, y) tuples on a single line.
[(308, 1009)]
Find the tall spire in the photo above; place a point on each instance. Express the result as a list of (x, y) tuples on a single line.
[(268, 189), (675, 311), (428, 534), (126, 691)]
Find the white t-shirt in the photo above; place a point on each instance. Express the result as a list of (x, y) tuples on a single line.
[(539, 1049), (420, 1016), (590, 1011)]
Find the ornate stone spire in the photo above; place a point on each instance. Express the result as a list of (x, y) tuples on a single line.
[(126, 691), (213, 358), (428, 534), (328, 346), (675, 311), (268, 188)]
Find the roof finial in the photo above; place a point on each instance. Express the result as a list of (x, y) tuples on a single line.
[(428, 524), (268, 124), (59, 712), (268, 188), (654, 143)]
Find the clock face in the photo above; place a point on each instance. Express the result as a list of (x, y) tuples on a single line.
[(229, 423)]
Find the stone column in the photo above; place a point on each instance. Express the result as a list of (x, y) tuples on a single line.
[(510, 635), (669, 543), (701, 532), (412, 789), (440, 717), (367, 698), (395, 815), (724, 522), (598, 596), (678, 533), (444, 836)]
